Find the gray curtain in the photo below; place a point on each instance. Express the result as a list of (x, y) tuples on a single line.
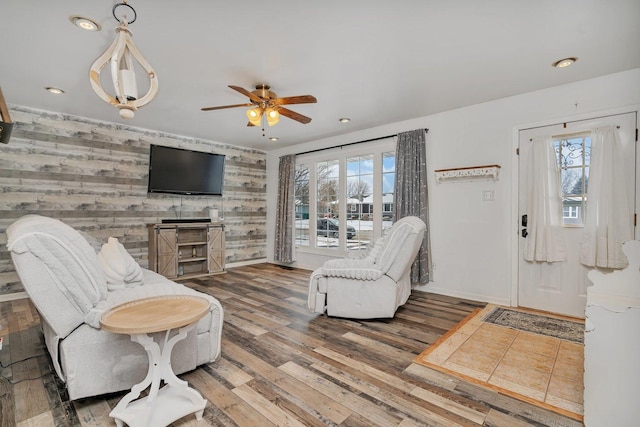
[(283, 251), (410, 196)]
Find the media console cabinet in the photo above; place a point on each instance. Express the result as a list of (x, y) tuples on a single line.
[(186, 250)]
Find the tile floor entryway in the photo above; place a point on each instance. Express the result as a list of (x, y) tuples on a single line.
[(537, 367)]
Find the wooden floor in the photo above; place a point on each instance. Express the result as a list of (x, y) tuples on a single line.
[(282, 365)]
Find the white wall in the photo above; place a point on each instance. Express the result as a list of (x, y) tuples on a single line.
[(473, 240)]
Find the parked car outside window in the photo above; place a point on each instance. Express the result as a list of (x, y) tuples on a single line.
[(329, 227)]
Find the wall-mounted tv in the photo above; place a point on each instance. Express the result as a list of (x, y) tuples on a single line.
[(180, 171)]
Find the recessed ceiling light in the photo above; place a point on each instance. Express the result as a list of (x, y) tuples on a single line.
[(273, 138), (344, 120), (54, 90), (565, 62), (85, 23)]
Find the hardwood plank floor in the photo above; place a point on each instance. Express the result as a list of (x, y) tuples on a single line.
[(282, 365)]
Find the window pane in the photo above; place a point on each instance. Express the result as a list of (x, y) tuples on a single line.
[(360, 189), (360, 165), (388, 162), (572, 152), (586, 180), (366, 165), (574, 155), (353, 166), (388, 188), (359, 201), (327, 203), (571, 181), (587, 150), (301, 192)]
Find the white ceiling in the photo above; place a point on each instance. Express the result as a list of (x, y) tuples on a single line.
[(374, 61)]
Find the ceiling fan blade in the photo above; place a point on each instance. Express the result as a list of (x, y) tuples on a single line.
[(300, 99), (293, 115), (226, 106), (249, 124), (252, 96)]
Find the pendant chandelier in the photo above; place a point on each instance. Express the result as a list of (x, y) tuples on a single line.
[(120, 56)]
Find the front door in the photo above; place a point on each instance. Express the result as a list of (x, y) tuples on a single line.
[(560, 287)]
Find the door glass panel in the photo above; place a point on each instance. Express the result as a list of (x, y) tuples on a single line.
[(573, 154)]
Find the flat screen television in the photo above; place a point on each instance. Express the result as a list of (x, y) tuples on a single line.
[(180, 171)]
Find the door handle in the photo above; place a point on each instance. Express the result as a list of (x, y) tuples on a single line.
[(524, 233), (524, 220)]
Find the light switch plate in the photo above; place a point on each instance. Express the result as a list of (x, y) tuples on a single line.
[(488, 195)]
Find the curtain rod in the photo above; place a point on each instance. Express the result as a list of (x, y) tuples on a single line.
[(575, 121), (351, 143)]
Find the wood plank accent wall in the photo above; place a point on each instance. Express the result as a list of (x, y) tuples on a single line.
[(92, 175)]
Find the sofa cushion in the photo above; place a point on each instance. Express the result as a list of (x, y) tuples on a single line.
[(120, 269)]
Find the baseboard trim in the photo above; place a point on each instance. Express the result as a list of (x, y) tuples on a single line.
[(465, 295), (241, 263), (14, 296)]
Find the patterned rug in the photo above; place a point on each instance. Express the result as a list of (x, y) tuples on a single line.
[(537, 324), (529, 356)]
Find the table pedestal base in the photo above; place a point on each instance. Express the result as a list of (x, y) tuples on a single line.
[(163, 405)]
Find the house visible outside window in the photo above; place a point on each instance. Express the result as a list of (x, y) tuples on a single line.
[(570, 212), (388, 183), (573, 154), (344, 201)]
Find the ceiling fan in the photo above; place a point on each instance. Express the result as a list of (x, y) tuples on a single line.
[(265, 103)]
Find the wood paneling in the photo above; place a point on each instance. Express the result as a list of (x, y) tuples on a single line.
[(283, 365), (93, 176)]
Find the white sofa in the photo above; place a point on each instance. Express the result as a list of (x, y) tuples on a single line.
[(370, 287), (69, 284)]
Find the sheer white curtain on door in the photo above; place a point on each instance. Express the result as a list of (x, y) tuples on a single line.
[(608, 219), (545, 241)]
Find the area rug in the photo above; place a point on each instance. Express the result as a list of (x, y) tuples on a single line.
[(533, 357), (538, 324)]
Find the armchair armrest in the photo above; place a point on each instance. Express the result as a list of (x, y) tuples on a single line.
[(349, 268)]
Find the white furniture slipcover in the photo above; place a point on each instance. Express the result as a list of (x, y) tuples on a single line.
[(63, 277), (371, 287)]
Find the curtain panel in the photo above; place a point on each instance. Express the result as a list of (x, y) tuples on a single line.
[(545, 242), (410, 194), (283, 251), (608, 221)]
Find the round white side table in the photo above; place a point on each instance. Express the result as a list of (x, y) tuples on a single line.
[(175, 399)]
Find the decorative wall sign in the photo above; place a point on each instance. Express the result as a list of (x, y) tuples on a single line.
[(471, 173)]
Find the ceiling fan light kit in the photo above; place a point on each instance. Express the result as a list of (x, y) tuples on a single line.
[(120, 56), (255, 116), (265, 104), (273, 117)]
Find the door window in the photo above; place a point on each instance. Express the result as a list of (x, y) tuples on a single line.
[(573, 153)]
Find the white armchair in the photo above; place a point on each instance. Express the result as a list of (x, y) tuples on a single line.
[(371, 287)]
